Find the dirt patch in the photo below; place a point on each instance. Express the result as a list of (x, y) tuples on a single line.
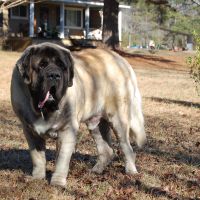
[(168, 164)]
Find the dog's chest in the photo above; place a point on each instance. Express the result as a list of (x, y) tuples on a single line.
[(50, 126)]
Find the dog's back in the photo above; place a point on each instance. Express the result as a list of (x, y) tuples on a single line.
[(111, 86)]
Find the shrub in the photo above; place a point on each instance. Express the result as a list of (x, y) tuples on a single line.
[(194, 64)]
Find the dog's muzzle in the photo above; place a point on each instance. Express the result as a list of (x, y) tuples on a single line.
[(52, 77)]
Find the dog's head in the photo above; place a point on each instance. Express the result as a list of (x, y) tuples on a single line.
[(48, 70)]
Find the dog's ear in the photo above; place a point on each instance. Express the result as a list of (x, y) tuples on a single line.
[(70, 66), (23, 64)]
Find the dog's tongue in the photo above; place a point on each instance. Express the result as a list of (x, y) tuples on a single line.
[(41, 103)]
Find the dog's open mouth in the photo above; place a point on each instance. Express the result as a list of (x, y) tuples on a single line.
[(48, 98)]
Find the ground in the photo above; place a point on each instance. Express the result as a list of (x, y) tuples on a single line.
[(168, 165)]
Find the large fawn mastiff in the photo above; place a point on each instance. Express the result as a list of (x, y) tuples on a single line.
[(53, 91)]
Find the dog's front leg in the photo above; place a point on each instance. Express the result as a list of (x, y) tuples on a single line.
[(37, 152), (66, 144)]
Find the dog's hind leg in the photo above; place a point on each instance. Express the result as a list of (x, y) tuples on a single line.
[(137, 120), (102, 137), (122, 129), (137, 131)]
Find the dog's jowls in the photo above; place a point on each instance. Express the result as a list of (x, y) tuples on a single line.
[(53, 91)]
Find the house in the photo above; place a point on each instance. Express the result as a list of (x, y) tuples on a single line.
[(58, 19)]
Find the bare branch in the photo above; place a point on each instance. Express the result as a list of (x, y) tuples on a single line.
[(13, 3), (197, 2), (158, 2), (9, 3)]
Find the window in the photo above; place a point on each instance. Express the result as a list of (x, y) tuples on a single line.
[(95, 19), (73, 18), (58, 16), (19, 12)]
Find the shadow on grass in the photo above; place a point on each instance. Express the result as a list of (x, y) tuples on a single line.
[(87, 158), (155, 192), (177, 157), (171, 101), (174, 135), (19, 159), (14, 159), (146, 57)]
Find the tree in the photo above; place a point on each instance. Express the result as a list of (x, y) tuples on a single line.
[(170, 22), (110, 23), (194, 64), (142, 21)]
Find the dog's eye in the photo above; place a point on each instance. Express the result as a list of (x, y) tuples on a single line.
[(43, 64), (60, 64)]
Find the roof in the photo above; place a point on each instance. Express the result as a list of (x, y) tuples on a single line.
[(98, 3)]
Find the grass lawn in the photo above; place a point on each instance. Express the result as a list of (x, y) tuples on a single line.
[(168, 165)]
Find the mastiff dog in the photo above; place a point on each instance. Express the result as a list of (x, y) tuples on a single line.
[(53, 91)]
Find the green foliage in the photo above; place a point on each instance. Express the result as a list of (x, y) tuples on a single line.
[(170, 24), (125, 37), (140, 24), (194, 64), (181, 22)]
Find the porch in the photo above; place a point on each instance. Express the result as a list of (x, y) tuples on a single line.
[(57, 19)]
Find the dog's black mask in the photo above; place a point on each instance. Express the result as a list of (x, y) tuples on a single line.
[(47, 69)]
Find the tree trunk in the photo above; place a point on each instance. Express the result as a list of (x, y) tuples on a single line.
[(110, 24)]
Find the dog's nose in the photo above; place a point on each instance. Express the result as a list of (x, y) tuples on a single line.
[(54, 76)]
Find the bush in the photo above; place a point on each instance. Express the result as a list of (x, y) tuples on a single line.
[(194, 64)]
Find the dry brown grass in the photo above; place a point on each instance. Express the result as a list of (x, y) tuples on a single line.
[(168, 164)]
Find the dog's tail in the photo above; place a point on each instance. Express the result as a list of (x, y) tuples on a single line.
[(137, 130)]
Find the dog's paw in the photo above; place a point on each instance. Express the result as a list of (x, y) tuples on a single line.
[(39, 173), (58, 180), (52, 134), (131, 170), (98, 168), (41, 127)]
